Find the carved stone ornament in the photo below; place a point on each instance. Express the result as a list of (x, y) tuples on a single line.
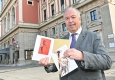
[(49, 1), (44, 5)]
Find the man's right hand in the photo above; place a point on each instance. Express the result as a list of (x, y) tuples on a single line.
[(45, 61)]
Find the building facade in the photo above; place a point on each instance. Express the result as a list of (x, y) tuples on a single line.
[(23, 20), (0, 29)]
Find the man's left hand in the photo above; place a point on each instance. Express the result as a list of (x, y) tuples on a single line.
[(74, 54)]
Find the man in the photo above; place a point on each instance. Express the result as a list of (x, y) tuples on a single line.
[(88, 51)]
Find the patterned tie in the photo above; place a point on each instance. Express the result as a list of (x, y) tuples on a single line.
[(73, 41)]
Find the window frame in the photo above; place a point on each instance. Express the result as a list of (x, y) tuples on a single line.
[(74, 1), (52, 9), (30, 1), (64, 28), (53, 30), (44, 1), (62, 4), (46, 33), (44, 14), (93, 15)]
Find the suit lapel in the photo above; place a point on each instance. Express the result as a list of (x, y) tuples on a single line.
[(80, 39)]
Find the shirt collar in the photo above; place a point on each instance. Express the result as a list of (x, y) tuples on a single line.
[(78, 31)]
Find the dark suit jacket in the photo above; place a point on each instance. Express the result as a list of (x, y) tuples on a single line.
[(96, 58)]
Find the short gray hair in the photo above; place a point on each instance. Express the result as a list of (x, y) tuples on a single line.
[(79, 14)]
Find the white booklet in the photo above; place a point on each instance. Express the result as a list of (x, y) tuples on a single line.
[(64, 65), (42, 47), (45, 46)]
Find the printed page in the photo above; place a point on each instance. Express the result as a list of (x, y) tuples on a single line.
[(59, 43), (43, 47), (64, 65)]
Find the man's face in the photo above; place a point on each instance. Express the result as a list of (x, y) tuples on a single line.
[(72, 20)]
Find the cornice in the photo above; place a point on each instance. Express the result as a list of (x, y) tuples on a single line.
[(20, 25)]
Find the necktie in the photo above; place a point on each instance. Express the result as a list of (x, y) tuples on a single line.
[(73, 40)]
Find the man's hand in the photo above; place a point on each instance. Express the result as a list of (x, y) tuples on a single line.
[(74, 54), (44, 62)]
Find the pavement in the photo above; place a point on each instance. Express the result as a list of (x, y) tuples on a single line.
[(38, 73)]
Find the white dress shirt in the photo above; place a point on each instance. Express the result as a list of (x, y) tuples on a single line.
[(78, 33)]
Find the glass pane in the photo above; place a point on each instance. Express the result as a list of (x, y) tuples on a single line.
[(46, 33), (62, 7), (64, 27), (95, 15), (62, 4), (52, 9), (53, 29), (74, 1)]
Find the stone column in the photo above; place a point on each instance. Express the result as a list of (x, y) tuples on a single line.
[(20, 10), (21, 60), (3, 58), (7, 59), (56, 7), (7, 23), (11, 54), (10, 19), (0, 58)]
